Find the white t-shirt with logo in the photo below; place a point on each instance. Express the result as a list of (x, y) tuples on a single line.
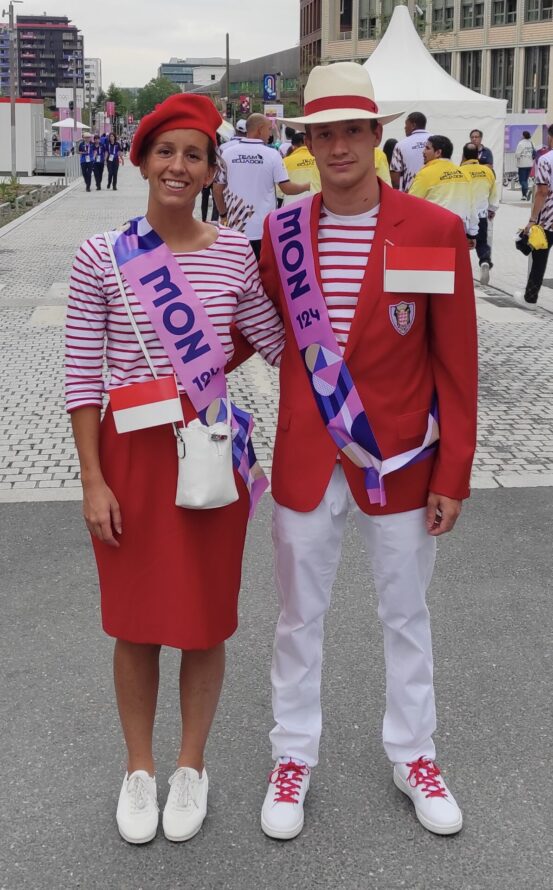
[(250, 172), (407, 157)]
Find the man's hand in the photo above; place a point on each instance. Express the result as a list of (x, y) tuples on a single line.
[(471, 243), (441, 514), (491, 214)]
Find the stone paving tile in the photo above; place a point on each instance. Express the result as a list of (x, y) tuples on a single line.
[(37, 456)]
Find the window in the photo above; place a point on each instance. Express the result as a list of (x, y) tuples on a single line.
[(213, 77), (471, 69), (503, 61), (345, 16), (367, 19), (444, 61), (538, 10), (536, 76), (387, 9), (472, 14), (504, 12), (442, 15)]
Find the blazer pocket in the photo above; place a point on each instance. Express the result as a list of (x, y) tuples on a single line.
[(284, 418), (413, 426)]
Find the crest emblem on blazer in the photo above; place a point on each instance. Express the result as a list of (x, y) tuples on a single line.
[(402, 316)]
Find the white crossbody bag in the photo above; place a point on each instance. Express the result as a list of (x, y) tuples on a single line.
[(205, 474)]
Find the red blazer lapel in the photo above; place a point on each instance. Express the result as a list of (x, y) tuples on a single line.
[(390, 216)]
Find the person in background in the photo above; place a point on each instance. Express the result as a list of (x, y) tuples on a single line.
[(85, 153), (114, 157), (301, 167), (286, 143), (381, 165), (245, 186), (388, 149), (485, 155), (541, 214), (444, 183), (524, 157), (207, 193), (407, 157), (98, 158), (240, 132), (486, 203)]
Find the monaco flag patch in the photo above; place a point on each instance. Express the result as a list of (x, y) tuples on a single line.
[(142, 405), (419, 270)]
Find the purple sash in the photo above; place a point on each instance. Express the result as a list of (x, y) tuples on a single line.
[(335, 393), (188, 337)]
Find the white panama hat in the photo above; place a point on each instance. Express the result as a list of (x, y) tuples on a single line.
[(339, 92)]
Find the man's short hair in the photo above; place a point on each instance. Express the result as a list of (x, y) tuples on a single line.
[(525, 134), (418, 119), (289, 132), (298, 139), (255, 121), (550, 130), (470, 152), (480, 133), (443, 144)]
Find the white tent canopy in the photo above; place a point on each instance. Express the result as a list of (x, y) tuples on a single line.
[(71, 124), (406, 78)]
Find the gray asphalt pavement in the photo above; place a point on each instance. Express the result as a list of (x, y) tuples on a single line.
[(63, 756)]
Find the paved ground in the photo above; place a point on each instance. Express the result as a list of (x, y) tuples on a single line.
[(37, 457), (63, 757)]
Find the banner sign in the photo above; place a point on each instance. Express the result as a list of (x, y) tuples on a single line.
[(110, 109), (245, 106), (269, 87)]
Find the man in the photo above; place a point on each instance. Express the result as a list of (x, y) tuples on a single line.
[(245, 187), (362, 363), (85, 152), (485, 155), (301, 167), (407, 157), (485, 202), (542, 214), (444, 183)]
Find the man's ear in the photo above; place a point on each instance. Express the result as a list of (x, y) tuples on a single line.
[(378, 130)]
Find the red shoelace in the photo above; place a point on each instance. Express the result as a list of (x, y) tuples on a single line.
[(288, 777), (425, 773)]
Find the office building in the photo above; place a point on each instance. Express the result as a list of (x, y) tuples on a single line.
[(92, 80), (190, 73), (50, 56), (502, 48)]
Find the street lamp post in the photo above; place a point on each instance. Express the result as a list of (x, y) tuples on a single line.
[(13, 78)]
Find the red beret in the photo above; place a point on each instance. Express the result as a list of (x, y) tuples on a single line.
[(182, 111)]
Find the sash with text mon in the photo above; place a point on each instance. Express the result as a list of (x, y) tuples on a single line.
[(188, 337), (332, 385)]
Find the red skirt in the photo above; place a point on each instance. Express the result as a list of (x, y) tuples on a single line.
[(176, 576)]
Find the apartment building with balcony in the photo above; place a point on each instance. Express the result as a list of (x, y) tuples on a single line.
[(503, 48), (5, 78), (92, 80), (50, 55)]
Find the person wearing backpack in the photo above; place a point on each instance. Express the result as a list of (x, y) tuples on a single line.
[(524, 156)]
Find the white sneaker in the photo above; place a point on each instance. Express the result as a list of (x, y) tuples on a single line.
[(282, 812), (137, 810), (186, 805), (435, 805), (485, 273)]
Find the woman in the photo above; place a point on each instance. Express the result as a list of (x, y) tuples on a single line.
[(524, 157), (114, 157), (168, 575), (388, 149)]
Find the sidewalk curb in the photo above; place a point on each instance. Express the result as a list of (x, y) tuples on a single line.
[(9, 227)]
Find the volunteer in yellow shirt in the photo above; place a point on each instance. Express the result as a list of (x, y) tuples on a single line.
[(301, 168), (381, 166), (444, 183), (484, 195)]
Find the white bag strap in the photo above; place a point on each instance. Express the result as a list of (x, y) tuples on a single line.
[(136, 329)]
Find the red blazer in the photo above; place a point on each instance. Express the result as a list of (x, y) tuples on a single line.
[(395, 374)]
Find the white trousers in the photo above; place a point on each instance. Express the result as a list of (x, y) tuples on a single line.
[(307, 553)]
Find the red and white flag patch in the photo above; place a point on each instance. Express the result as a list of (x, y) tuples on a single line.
[(142, 405), (419, 270)]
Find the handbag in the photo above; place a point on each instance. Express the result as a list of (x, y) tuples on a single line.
[(205, 470)]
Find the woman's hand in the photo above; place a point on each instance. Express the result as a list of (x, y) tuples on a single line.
[(101, 512)]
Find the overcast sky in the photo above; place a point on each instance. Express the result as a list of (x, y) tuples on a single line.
[(133, 37)]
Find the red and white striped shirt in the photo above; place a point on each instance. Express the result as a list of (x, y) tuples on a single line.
[(344, 246), (226, 278)]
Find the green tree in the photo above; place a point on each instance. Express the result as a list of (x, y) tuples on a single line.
[(158, 89)]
